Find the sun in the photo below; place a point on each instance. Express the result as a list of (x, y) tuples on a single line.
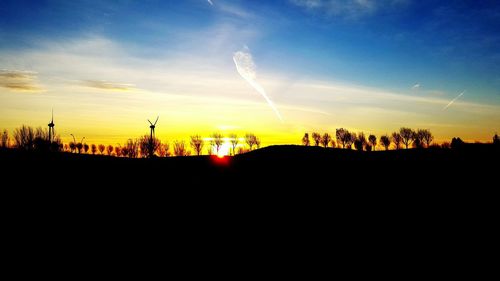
[(224, 149)]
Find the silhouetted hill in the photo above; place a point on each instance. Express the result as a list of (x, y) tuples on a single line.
[(405, 190), (284, 164)]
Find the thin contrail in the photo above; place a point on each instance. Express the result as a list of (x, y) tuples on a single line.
[(246, 68), (210, 2), (453, 100)]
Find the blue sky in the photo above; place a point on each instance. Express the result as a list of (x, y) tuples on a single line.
[(444, 47)]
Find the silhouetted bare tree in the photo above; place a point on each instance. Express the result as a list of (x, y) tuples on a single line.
[(234, 142), (396, 139), (305, 140), (360, 141), (407, 136), (5, 139), (418, 139), (180, 148), (72, 146), (372, 139), (197, 144), (250, 140), (109, 149), (257, 142), (79, 147), (325, 139), (496, 140), (118, 151), (362, 138), (427, 137), (149, 145), (163, 151), (101, 148), (342, 136), (350, 139), (86, 148), (131, 148), (24, 137), (316, 138), (217, 141), (385, 141), (93, 148)]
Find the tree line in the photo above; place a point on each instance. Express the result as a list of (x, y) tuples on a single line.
[(37, 139), (27, 138), (405, 137)]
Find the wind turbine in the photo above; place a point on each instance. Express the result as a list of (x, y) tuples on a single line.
[(152, 127), (51, 127)]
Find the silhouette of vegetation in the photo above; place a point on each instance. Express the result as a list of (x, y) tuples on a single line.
[(427, 137), (72, 147), (325, 139), (343, 136), (180, 149), (109, 150), (351, 138), (496, 140), (24, 138), (101, 148), (359, 143), (305, 140), (93, 148), (251, 140), (257, 142), (131, 148), (397, 139), (217, 141), (86, 148), (149, 145), (118, 151), (446, 145), (79, 147), (234, 142), (163, 150), (385, 141), (197, 144), (372, 139), (332, 143), (316, 138), (407, 136), (361, 140), (456, 143), (4, 142)]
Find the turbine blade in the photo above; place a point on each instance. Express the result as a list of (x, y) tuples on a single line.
[(157, 119), (150, 122), (52, 121)]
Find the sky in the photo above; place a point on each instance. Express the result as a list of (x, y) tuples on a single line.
[(274, 68)]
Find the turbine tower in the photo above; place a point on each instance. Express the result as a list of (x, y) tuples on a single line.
[(51, 127), (152, 127)]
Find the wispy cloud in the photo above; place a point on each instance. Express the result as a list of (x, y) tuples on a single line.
[(233, 10), (210, 2), (348, 8), (453, 100), (416, 86), (247, 69), (21, 81), (106, 85)]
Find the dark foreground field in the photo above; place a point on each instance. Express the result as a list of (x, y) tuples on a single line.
[(416, 201)]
